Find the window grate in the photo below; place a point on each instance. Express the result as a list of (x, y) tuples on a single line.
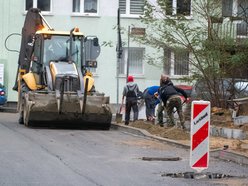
[(135, 61), (137, 7), (181, 64), (132, 7), (122, 6)]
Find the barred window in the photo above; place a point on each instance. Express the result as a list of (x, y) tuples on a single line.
[(135, 61), (242, 29), (181, 63), (242, 8), (123, 6), (131, 7), (237, 8), (177, 62)]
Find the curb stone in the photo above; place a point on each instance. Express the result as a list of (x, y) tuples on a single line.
[(230, 155), (227, 155), (143, 132), (228, 132)]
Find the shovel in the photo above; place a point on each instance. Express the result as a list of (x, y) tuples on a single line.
[(118, 117)]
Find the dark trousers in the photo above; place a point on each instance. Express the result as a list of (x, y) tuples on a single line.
[(150, 107), (150, 102), (131, 104)]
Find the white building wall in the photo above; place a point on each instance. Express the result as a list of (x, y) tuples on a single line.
[(61, 18)]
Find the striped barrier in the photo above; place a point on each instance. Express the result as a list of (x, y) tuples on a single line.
[(200, 129)]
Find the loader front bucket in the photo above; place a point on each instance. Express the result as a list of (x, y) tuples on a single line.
[(41, 109)]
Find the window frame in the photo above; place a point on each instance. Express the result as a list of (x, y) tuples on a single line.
[(35, 4), (171, 62), (235, 8), (241, 27), (128, 8), (81, 10), (175, 7), (124, 60)]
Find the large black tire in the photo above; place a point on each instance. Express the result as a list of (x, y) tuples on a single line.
[(21, 120), (25, 114), (24, 89), (105, 126)]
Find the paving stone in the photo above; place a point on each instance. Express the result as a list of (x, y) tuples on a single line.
[(240, 120)]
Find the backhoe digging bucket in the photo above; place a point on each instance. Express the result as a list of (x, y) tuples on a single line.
[(41, 109)]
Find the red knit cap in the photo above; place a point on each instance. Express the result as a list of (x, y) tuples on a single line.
[(130, 79)]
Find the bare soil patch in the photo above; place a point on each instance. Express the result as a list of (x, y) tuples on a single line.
[(147, 144), (171, 133), (223, 118)]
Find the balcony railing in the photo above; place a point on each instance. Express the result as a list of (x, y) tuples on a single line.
[(233, 30)]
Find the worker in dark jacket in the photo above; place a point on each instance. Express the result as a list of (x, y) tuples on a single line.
[(130, 91), (161, 107), (170, 96)]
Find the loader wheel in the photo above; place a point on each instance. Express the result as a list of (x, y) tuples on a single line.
[(21, 100), (20, 120), (25, 114), (106, 126)]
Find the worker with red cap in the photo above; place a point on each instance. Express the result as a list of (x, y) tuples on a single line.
[(130, 91)]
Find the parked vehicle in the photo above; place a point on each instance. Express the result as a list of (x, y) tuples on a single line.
[(3, 97), (221, 89), (187, 89)]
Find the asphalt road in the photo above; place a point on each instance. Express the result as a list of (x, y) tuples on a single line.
[(43, 156)]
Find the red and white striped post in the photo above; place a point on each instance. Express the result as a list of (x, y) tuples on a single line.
[(200, 129)]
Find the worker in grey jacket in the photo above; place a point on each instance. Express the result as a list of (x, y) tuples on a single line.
[(130, 91)]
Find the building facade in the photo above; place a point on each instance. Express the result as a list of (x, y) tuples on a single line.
[(98, 18)]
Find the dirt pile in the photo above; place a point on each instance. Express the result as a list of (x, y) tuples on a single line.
[(171, 133)]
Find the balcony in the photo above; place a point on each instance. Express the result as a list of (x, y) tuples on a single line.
[(237, 30)]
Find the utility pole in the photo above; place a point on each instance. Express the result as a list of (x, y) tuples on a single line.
[(118, 55), (128, 51)]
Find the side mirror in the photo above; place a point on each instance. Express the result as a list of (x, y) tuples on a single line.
[(91, 50)]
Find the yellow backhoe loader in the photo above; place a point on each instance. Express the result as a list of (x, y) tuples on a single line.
[(53, 81)]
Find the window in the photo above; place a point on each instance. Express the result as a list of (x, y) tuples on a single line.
[(131, 7), (58, 48), (178, 7), (85, 6), (135, 61), (237, 8), (181, 63), (43, 5), (227, 8), (242, 8), (177, 62), (242, 29)]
